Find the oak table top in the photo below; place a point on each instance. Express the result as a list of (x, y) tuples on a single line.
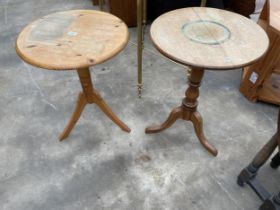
[(209, 38), (72, 39)]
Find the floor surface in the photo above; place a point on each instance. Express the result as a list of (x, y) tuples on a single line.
[(101, 167)]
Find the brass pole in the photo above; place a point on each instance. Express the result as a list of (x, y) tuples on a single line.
[(101, 5), (203, 3), (140, 43), (144, 12)]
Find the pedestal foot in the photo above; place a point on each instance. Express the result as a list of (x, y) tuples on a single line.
[(248, 174), (198, 127), (108, 111), (174, 115), (275, 162), (81, 103), (187, 111), (90, 96)]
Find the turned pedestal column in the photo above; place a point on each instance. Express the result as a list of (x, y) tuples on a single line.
[(89, 96), (188, 111), (205, 39)]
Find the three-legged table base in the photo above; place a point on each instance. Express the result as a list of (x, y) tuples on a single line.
[(188, 111), (89, 96)]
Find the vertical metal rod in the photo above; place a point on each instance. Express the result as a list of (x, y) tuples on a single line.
[(144, 12), (140, 43), (101, 5), (203, 3)]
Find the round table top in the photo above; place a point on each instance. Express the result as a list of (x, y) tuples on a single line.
[(72, 39), (209, 38)]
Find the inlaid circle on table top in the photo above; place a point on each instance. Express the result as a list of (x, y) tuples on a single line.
[(72, 39), (209, 38)]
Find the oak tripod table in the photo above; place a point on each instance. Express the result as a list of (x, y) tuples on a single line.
[(75, 40), (205, 38)]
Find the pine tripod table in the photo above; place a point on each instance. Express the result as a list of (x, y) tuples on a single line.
[(75, 40), (205, 39)]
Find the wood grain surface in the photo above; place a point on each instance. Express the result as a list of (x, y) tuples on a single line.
[(72, 39), (261, 81), (209, 38), (274, 15)]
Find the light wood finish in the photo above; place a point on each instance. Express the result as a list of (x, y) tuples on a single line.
[(261, 81), (72, 39), (89, 96), (232, 41), (75, 40), (274, 15), (204, 38)]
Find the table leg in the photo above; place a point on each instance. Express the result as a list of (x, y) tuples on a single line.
[(89, 96), (248, 174), (188, 111), (251, 171), (81, 103)]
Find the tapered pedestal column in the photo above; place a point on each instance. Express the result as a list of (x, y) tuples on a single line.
[(188, 111), (89, 96)]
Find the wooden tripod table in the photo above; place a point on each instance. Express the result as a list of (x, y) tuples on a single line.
[(75, 39), (205, 38)]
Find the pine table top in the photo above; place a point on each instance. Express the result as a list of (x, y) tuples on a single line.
[(72, 39)]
